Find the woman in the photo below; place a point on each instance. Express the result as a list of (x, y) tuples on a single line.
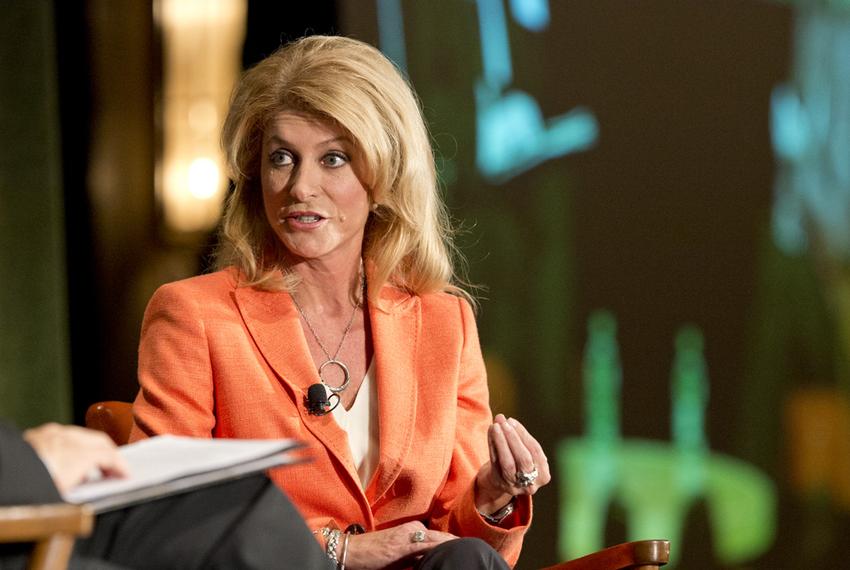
[(336, 269)]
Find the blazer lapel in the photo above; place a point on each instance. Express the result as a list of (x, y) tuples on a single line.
[(273, 321), (395, 326)]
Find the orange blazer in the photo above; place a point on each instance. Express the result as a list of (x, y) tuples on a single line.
[(217, 360)]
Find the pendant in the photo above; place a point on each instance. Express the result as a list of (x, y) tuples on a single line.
[(345, 373)]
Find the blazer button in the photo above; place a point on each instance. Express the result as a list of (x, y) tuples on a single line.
[(355, 529)]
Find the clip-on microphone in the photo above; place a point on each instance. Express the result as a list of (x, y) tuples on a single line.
[(317, 401)]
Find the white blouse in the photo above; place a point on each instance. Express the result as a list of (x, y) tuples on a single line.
[(361, 424)]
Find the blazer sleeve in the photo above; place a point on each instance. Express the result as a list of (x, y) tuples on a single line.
[(175, 373), (24, 480), (455, 509)]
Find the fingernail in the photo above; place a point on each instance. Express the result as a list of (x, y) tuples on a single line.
[(513, 422)]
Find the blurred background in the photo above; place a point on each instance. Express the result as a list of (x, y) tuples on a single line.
[(655, 194)]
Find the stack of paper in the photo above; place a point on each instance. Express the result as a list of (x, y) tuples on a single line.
[(167, 464)]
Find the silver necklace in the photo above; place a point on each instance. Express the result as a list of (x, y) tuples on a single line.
[(332, 360)]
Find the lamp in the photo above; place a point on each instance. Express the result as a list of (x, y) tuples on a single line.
[(201, 55)]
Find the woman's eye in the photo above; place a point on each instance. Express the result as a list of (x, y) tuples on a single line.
[(280, 158), (334, 159)]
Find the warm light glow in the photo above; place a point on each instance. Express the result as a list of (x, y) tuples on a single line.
[(203, 116), (203, 178), (202, 43)]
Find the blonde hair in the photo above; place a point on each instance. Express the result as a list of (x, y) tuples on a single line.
[(408, 237)]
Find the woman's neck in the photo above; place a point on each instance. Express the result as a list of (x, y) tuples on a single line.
[(329, 290)]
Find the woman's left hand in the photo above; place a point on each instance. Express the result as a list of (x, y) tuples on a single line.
[(517, 465)]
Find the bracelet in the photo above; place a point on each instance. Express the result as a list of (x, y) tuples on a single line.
[(500, 515), (333, 539), (341, 565)]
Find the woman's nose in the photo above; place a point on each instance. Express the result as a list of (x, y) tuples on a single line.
[(305, 182)]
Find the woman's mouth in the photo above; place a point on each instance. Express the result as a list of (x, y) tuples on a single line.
[(302, 219), (306, 218)]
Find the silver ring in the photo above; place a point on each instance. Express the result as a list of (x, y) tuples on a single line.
[(526, 479), (417, 536)]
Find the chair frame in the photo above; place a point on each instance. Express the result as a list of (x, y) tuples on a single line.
[(52, 527), (113, 418), (636, 555)]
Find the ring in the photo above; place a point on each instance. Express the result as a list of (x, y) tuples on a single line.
[(526, 479), (417, 536)]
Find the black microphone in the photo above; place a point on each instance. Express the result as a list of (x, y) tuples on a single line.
[(317, 401)]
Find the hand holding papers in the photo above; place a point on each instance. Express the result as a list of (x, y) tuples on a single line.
[(165, 465)]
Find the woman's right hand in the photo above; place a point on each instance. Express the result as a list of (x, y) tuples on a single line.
[(383, 548)]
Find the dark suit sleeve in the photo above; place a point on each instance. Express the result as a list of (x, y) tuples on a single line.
[(23, 477)]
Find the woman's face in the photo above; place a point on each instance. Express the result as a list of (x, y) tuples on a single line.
[(313, 198)]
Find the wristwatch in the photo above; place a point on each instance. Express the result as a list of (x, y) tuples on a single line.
[(500, 515)]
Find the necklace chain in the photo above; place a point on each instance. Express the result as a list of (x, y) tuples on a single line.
[(316, 336), (332, 360)]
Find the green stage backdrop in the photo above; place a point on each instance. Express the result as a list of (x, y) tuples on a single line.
[(34, 371)]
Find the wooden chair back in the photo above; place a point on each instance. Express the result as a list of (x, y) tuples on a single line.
[(112, 417)]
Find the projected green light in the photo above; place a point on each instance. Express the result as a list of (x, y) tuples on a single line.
[(810, 130), (512, 136), (657, 483), (391, 32)]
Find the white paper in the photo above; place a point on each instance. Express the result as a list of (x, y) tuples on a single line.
[(166, 458)]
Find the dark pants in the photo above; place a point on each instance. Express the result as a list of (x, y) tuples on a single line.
[(462, 554), (247, 523)]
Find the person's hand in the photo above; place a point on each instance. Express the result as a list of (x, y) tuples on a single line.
[(385, 548), (72, 453), (513, 452)]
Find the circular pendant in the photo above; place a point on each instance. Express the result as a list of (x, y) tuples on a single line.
[(346, 375)]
